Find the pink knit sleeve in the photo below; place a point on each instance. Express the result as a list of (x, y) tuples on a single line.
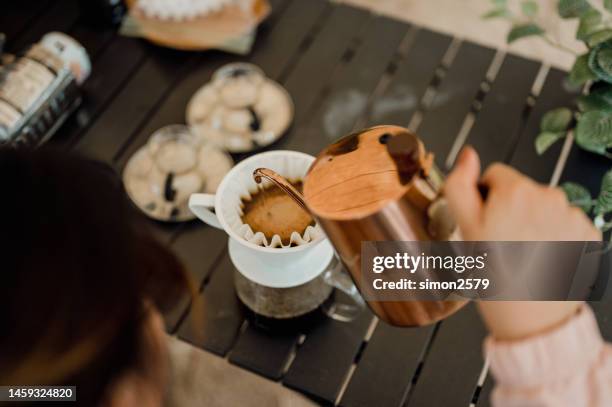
[(569, 366)]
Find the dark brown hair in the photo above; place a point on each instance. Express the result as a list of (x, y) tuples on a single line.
[(77, 268)]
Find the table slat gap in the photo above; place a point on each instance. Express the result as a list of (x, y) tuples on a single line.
[(443, 120), (223, 315), (528, 108), (544, 168), (484, 396), (524, 117), (320, 373), (540, 80), (566, 149), (216, 265), (337, 113), (429, 94), (269, 354), (421, 363), (504, 111), (451, 53), (459, 141), (388, 366), (306, 43), (295, 81), (449, 354), (496, 64), (387, 77), (346, 381), (299, 19), (484, 375), (437, 65), (175, 317), (292, 355)]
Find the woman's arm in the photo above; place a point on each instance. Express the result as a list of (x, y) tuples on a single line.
[(541, 353), (513, 320)]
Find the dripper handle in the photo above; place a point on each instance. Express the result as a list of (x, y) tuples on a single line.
[(282, 183), (202, 205)]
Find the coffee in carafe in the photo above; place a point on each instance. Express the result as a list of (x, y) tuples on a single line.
[(283, 308)]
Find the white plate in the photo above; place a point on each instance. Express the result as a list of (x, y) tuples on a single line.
[(223, 120), (144, 183)]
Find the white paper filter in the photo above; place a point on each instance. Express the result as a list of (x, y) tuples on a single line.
[(288, 164)]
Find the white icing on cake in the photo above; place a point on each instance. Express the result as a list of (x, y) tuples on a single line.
[(179, 10)]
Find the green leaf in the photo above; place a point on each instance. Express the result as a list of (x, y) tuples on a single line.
[(529, 8), (572, 8), (604, 60), (604, 201), (581, 72), (590, 22), (599, 98), (496, 13), (600, 61), (577, 195), (587, 103), (547, 139), (522, 31), (608, 5), (594, 131), (556, 120), (599, 37)]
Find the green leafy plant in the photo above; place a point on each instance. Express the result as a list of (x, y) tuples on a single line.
[(598, 207), (591, 122)]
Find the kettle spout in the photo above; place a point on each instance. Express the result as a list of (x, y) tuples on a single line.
[(260, 173)]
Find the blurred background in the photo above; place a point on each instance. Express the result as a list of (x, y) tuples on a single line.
[(464, 19)]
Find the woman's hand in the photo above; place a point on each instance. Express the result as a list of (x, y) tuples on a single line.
[(516, 209)]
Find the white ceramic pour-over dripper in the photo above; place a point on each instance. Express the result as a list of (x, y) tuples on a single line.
[(298, 261), (281, 270), (224, 209)]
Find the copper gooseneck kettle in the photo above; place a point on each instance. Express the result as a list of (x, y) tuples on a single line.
[(378, 185)]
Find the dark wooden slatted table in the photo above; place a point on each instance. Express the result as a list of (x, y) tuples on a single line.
[(345, 69)]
